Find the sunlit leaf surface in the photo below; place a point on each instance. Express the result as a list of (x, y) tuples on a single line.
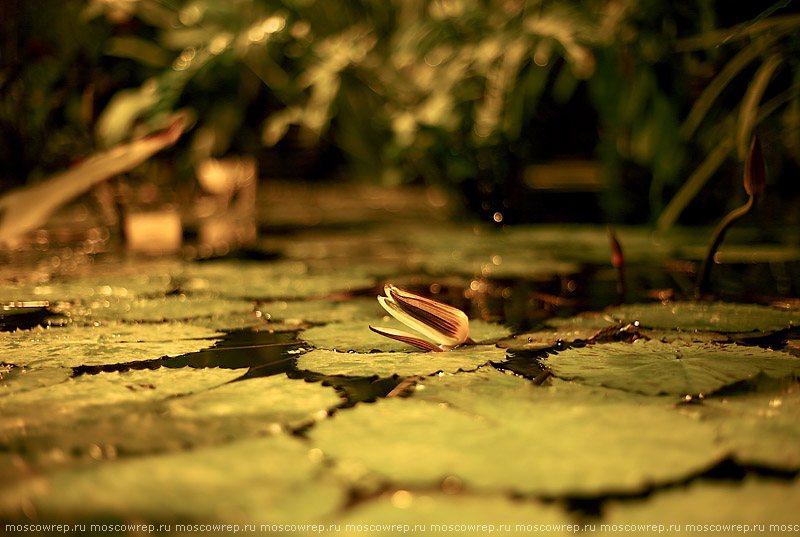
[(455, 512), (709, 316), (253, 481), (386, 364), (759, 428), (755, 501), (653, 367), (510, 435), (74, 344), (285, 280)]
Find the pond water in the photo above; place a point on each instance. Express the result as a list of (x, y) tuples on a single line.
[(145, 382)]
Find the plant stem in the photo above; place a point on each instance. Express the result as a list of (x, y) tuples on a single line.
[(719, 234)]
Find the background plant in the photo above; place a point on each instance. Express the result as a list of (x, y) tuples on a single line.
[(465, 93)]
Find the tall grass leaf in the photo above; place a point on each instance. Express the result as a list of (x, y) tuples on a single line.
[(763, 15), (750, 102), (25, 208), (699, 177), (703, 103)]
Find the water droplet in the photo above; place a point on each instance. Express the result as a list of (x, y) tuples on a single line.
[(315, 455), (402, 499), (95, 452)]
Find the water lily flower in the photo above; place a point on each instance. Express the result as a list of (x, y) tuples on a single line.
[(447, 326)]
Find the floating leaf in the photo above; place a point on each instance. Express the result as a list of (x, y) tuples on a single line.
[(275, 399), (498, 432), (322, 311), (707, 316), (80, 415), (758, 429), (219, 414), (70, 397), (720, 506), (285, 279), (164, 308), (266, 480), (678, 368), (121, 281), (21, 379), (74, 345), (468, 514), (386, 364)]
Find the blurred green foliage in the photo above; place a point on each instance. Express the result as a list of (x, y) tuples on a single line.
[(463, 93)]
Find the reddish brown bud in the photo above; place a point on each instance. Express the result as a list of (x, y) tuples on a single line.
[(754, 175), (617, 260)]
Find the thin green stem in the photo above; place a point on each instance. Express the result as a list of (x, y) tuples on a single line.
[(719, 234)]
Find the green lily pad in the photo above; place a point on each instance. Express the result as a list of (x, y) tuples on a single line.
[(234, 320), (356, 335), (451, 514), (74, 345), (544, 339), (284, 280), (678, 368), (117, 280), (322, 311), (276, 399), (584, 322), (164, 308), (21, 379), (386, 364), (714, 506), (267, 480), (758, 429), (236, 410), (571, 333), (534, 250), (73, 417), (69, 397), (526, 439), (706, 316)]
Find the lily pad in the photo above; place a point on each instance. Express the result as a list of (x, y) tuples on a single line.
[(71, 396), (164, 308), (119, 280), (253, 481), (678, 368), (284, 280), (706, 316), (277, 399), (74, 345), (386, 364), (22, 379), (236, 410), (543, 339), (448, 514), (88, 411), (323, 311), (526, 439), (716, 507), (758, 429), (356, 335)]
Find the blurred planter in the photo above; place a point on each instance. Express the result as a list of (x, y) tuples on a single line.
[(156, 232), (226, 212)]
